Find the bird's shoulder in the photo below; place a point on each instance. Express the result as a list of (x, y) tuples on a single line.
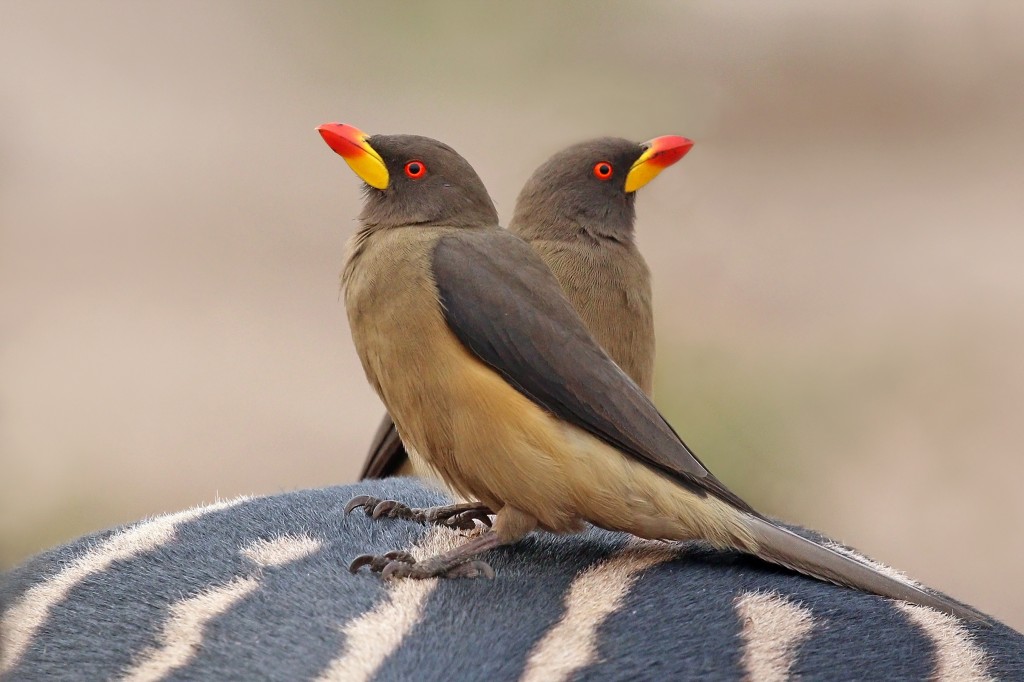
[(507, 309)]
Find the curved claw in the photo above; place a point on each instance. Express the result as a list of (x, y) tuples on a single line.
[(396, 569), (385, 507), (360, 561), (467, 519), (462, 521), (481, 516), (360, 501)]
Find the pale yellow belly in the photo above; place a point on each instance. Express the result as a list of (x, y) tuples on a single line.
[(508, 451)]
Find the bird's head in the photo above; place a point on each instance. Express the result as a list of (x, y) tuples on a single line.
[(593, 184), (411, 180)]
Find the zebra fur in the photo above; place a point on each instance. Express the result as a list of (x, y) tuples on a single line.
[(257, 588)]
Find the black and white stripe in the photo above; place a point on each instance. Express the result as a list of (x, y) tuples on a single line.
[(258, 589)]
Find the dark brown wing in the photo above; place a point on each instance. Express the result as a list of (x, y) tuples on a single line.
[(506, 307), (387, 454)]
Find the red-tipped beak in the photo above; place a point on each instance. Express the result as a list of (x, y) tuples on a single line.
[(659, 154), (666, 150), (344, 139), (350, 142)]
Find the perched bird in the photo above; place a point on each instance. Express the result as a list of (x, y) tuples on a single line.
[(582, 227), (493, 379)]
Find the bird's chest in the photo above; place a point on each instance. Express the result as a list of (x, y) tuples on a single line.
[(392, 304), (609, 285), (405, 347), (599, 276)]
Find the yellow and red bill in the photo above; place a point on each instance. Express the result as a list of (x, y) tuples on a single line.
[(350, 142), (659, 154)]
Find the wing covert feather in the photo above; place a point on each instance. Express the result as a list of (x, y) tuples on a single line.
[(505, 306)]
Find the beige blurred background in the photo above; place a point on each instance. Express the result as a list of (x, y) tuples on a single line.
[(839, 263)]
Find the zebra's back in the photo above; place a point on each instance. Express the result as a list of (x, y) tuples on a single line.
[(258, 589)]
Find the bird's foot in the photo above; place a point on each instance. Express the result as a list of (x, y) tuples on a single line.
[(461, 516), (378, 562), (399, 564), (458, 563)]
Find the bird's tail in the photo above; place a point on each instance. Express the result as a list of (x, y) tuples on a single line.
[(780, 546)]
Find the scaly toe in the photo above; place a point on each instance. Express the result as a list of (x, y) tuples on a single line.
[(379, 562), (390, 508), (400, 569), (467, 520), (469, 569), (400, 555)]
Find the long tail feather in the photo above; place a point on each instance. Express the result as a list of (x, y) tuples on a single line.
[(780, 546)]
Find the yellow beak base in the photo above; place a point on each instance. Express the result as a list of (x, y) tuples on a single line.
[(660, 153), (350, 143)]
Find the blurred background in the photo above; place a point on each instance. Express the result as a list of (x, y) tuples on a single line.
[(838, 264)]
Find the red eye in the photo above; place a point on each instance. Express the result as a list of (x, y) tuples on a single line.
[(603, 170), (415, 169)]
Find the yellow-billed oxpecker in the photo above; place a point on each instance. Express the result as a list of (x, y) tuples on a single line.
[(581, 224), (493, 380)]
